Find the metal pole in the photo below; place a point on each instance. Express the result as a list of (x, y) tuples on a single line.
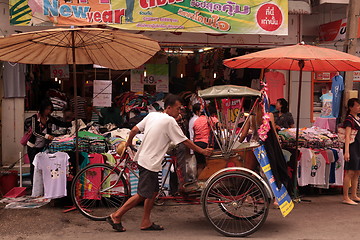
[(301, 64), (350, 43), (75, 102)]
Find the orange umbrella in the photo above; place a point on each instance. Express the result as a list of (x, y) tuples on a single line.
[(299, 57), (316, 59)]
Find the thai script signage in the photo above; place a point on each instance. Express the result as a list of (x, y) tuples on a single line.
[(219, 16)]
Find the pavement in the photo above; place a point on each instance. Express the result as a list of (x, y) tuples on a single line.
[(325, 217)]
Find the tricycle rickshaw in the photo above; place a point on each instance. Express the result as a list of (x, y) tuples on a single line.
[(235, 200)]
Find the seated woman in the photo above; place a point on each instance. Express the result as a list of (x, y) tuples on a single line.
[(283, 118)]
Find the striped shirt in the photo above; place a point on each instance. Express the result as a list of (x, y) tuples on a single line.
[(81, 106)]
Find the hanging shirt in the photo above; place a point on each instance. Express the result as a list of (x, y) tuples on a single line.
[(312, 168), (326, 111), (337, 87), (94, 179), (14, 80), (51, 171), (275, 82), (339, 169)]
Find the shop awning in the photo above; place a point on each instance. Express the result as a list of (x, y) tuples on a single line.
[(228, 91)]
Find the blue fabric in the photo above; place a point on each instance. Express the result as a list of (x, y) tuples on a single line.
[(337, 87), (333, 166)]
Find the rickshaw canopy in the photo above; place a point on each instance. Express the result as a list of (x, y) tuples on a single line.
[(228, 91)]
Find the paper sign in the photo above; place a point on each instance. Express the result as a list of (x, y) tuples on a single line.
[(59, 71), (150, 74), (102, 93)]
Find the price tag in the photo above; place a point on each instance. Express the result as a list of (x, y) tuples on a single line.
[(59, 71)]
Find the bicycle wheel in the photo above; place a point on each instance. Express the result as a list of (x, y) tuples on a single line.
[(235, 203), (98, 190)]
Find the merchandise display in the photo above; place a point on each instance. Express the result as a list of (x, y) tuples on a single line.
[(313, 137)]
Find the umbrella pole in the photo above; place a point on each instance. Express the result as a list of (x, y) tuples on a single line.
[(301, 64), (75, 103)]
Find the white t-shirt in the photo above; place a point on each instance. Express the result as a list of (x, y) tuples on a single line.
[(312, 168), (159, 130), (50, 169)]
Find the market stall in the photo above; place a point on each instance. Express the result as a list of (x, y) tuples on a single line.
[(321, 161)]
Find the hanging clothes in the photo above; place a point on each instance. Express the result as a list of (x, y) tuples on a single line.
[(50, 175), (337, 88), (14, 80), (276, 157), (275, 82)]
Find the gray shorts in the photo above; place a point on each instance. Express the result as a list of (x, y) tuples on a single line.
[(148, 182)]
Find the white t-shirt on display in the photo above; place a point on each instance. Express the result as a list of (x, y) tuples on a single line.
[(53, 169), (159, 130)]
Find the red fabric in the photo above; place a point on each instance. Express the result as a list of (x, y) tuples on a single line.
[(325, 155), (275, 82), (93, 180)]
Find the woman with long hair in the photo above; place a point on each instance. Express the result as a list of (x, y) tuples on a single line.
[(352, 153)]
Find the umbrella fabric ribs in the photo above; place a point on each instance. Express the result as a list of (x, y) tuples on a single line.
[(114, 49)]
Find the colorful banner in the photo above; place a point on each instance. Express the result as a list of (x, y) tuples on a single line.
[(282, 196), (230, 109), (219, 16)]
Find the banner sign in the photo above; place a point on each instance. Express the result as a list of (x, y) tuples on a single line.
[(151, 74), (219, 16), (334, 31), (324, 76), (282, 196), (102, 93), (356, 76), (231, 108)]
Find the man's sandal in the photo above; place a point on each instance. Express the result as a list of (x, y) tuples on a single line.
[(153, 227), (116, 226)]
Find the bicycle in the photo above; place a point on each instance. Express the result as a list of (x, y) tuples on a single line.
[(100, 189)]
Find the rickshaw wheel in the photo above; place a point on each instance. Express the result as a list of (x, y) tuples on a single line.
[(235, 203)]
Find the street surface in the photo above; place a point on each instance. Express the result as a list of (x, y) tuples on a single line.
[(323, 218)]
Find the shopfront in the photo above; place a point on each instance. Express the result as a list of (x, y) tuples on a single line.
[(193, 58)]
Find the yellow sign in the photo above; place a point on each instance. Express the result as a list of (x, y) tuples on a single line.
[(219, 16)]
